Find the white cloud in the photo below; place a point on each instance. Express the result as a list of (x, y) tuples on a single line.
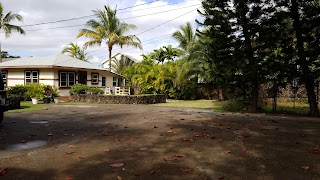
[(46, 42)]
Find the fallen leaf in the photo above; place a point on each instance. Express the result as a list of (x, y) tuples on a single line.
[(155, 127), (186, 139), (106, 149), (228, 152), (119, 140), (119, 177), (305, 167), (221, 177), (137, 174), (50, 134), (314, 151), (23, 141), (100, 131), (179, 155), (244, 149), (113, 170), (185, 170), (3, 171), (71, 152), (106, 134), (151, 173), (142, 149), (68, 178), (181, 119), (170, 158), (117, 165), (72, 146)]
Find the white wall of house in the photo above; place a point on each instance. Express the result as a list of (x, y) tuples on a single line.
[(51, 77), (15, 76)]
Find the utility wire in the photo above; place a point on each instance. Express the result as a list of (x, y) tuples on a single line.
[(82, 17), (120, 19), (166, 22)]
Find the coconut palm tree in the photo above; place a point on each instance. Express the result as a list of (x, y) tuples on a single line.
[(186, 37), (5, 20), (108, 28), (76, 51), (119, 65)]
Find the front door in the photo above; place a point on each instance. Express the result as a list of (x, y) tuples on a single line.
[(82, 78)]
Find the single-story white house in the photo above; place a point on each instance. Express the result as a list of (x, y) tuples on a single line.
[(58, 70), (133, 57)]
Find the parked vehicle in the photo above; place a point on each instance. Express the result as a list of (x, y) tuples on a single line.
[(3, 95)]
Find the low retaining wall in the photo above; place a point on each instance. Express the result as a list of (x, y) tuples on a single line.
[(111, 99)]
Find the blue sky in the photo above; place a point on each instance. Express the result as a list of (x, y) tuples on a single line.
[(41, 40)]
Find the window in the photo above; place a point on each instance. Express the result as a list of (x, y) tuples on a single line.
[(95, 78), (31, 77), (103, 81), (4, 76), (115, 81), (67, 79)]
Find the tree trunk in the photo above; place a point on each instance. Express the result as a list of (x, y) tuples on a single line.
[(0, 53), (307, 77), (275, 95), (110, 50), (249, 55)]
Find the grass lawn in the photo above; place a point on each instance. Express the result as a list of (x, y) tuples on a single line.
[(206, 104), (28, 106)]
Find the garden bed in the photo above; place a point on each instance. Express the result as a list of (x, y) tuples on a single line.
[(112, 99)]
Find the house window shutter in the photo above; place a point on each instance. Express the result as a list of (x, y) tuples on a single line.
[(71, 79), (63, 79), (103, 81)]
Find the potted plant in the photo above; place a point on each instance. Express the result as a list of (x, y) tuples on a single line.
[(48, 94), (55, 94)]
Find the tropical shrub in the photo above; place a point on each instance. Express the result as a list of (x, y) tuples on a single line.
[(18, 89), (95, 90), (28, 91), (236, 105), (78, 89)]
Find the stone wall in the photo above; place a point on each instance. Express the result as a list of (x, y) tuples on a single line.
[(111, 99)]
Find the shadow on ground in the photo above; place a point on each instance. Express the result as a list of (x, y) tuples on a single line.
[(159, 143)]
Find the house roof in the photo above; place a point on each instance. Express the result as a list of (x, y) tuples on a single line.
[(133, 57), (58, 60)]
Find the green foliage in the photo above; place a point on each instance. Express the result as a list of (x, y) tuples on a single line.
[(107, 27), (95, 90), (18, 89), (78, 89), (76, 51), (236, 105), (28, 91), (55, 91), (35, 91)]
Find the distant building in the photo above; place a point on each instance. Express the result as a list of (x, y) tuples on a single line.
[(135, 58)]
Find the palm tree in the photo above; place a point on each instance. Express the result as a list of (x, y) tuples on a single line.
[(76, 51), (186, 37), (6, 26), (119, 65), (107, 27)]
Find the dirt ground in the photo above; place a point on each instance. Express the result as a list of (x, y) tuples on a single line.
[(147, 142)]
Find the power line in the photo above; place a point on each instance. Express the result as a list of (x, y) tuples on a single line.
[(120, 19), (83, 17), (165, 22)]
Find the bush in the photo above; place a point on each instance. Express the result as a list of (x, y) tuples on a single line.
[(28, 91), (95, 90), (78, 89), (19, 90), (35, 90), (236, 105)]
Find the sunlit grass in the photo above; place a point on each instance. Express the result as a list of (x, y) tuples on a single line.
[(206, 104), (27, 106)]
